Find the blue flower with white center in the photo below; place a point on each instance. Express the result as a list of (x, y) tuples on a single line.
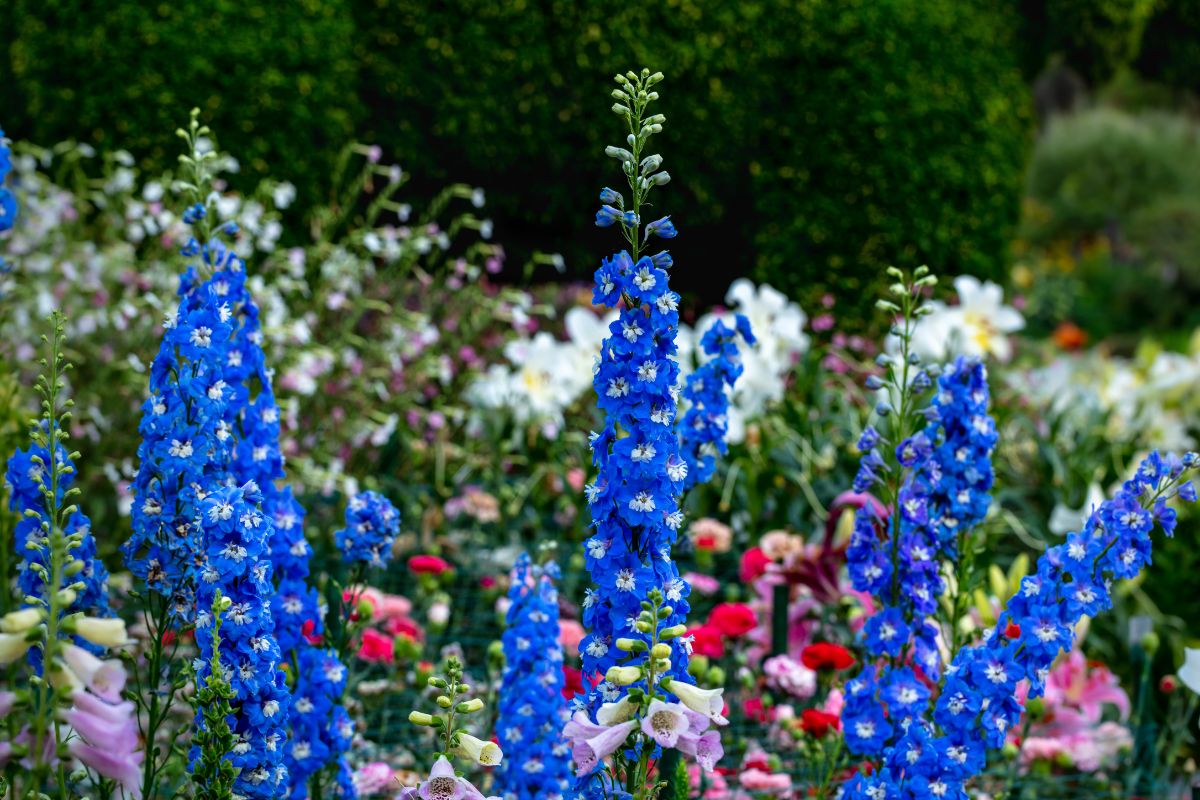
[(187, 441), (978, 705), (372, 523), (531, 708), (705, 424), (318, 719), (235, 535)]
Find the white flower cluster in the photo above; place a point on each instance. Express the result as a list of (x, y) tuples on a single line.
[(544, 376)]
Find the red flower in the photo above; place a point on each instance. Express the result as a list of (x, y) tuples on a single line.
[(707, 641), (754, 565), (818, 723), (733, 619), (754, 709), (1013, 631), (376, 647), (572, 682), (826, 655), (309, 631), (405, 626), (427, 565)]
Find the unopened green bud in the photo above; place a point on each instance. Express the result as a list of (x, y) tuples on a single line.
[(1150, 643), (437, 683), (444, 701), (665, 612), (673, 632), (469, 706), (716, 676), (643, 627), (623, 676), (661, 650), (630, 645), (620, 109), (420, 718)]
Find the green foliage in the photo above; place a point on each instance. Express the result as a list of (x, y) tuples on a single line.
[(1096, 168), (1171, 47), (1093, 37), (884, 148), (276, 78), (1131, 182), (214, 774)]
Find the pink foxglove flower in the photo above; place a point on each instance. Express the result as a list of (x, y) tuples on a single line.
[(665, 722), (106, 679), (443, 784), (588, 753), (108, 739)]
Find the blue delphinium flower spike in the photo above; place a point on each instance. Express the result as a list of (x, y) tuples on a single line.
[(235, 538), (531, 708), (705, 424)]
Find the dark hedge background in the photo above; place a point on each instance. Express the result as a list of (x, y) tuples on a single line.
[(813, 141)]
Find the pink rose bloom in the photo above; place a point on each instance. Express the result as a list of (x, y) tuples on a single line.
[(790, 676), (373, 778), (834, 703), (777, 545), (392, 606), (570, 634), (576, 478), (755, 780), (356, 594), (706, 585)]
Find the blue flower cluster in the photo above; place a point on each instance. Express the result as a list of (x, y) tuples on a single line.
[(321, 729), (257, 456), (531, 708), (26, 492), (8, 201), (706, 421), (978, 704), (945, 495), (235, 536), (187, 433), (634, 500), (372, 523)]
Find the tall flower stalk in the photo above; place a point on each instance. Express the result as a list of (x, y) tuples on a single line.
[(635, 649), (531, 708), (187, 448), (64, 621)]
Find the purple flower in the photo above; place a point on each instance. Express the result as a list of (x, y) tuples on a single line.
[(665, 722), (588, 753)]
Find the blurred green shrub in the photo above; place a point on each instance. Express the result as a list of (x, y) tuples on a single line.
[(816, 141), (898, 134), (1114, 209), (277, 78), (1092, 170)]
